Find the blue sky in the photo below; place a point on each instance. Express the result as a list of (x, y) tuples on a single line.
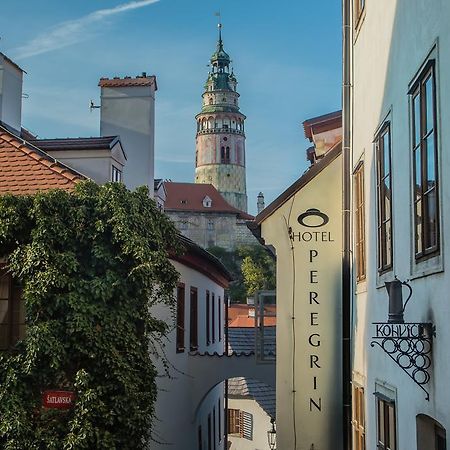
[(286, 56)]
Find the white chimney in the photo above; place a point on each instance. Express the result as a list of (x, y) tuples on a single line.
[(11, 79), (128, 110)]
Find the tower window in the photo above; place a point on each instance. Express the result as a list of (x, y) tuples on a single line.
[(222, 154), (225, 139), (227, 155)]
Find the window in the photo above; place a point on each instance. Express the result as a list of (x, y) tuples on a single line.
[(358, 422), (180, 318), (219, 310), (208, 320), (214, 427), (116, 175), (384, 197), (430, 433), (360, 235), (200, 438), (234, 421), (222, 154), (210, 225), (193, 323), (227, 155), (219, 413), (213, 318), (240, 423), (209, 432), (425, 166), (386, 424), (12, 311)]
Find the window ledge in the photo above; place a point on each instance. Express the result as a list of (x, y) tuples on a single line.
[(427, 267)]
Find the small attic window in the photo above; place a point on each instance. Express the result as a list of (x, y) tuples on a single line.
[(207, 202), (183, 202)]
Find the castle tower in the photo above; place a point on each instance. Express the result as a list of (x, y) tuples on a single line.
[(220, 141)]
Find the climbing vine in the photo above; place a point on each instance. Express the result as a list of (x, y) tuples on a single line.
[(91, 264)]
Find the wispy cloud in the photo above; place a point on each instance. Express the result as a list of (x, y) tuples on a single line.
[(70, 32)]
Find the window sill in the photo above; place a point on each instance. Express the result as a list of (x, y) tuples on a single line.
[(427, 267)]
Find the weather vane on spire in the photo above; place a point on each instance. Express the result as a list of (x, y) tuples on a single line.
[(219, 25)]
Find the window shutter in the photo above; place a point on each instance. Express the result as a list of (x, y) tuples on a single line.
[(246, 425)]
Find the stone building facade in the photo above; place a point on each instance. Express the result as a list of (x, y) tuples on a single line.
[(220, 141), (202, 215)]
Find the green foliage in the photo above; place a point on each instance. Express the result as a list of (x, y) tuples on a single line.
[(91, 264), (252, 268)]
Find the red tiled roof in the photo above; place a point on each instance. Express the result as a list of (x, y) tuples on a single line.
[(189, 197), (249, 322), (322, 123), (142, 80), (25, 169)]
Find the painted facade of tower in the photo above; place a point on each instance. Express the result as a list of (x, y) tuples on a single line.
[(220, 141)]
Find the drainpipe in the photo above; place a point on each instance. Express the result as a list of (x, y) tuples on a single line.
[(346, 260)]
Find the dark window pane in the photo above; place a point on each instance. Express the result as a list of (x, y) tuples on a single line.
[(429, 104), (431, 162), (418, 173), (418, 222), (416, 113), (431, 237), (386, 151), (388, 258)]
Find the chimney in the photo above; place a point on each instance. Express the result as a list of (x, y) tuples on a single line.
[(260, 204), (128, 110), (11, 79)]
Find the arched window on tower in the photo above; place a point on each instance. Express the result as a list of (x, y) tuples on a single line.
[(222, 154), (227, 155)]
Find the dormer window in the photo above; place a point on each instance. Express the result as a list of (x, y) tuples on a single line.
[(183, 202), (207, 202)]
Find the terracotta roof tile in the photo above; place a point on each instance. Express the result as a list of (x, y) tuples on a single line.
[(143, 80), (189, 197), (25, 169)]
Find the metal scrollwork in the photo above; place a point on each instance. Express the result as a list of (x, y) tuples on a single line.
[(409, 345)]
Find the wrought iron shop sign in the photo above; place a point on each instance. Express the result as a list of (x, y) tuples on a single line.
[(409, 345)]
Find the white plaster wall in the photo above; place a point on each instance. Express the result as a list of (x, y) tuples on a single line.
[(129, 112), (261, 425), (10, 94), (393, 41), (95, 164), (177, 421)]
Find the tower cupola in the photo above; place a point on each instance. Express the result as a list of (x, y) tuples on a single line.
[(220, 143)]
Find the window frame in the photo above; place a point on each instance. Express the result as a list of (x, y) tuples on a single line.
[(359, 418), (180, 319), (360, 222), (193, 319), (116, 174), (418, 89), (384, 440), (382, 220), (15, 309)]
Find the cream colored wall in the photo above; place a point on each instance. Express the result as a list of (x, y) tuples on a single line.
[(392, 42), (319, 428), (261, 425)]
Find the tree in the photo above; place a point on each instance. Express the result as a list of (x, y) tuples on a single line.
[(91, 264), (258, 269), (251, 259)]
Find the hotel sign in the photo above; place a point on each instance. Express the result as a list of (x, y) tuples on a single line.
[(315, 241)]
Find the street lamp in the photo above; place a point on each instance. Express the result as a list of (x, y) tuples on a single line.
[(272, 435)]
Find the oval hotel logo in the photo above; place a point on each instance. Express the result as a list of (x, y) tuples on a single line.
[(313, 218)]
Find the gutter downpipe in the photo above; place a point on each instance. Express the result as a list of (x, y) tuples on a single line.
[(346, 260)]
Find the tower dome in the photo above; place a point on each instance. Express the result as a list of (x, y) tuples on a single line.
[(220, 141)]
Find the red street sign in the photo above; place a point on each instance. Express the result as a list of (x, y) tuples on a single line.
[(58, 399)]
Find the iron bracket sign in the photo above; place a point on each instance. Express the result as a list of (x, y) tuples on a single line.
[(409, 345)]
